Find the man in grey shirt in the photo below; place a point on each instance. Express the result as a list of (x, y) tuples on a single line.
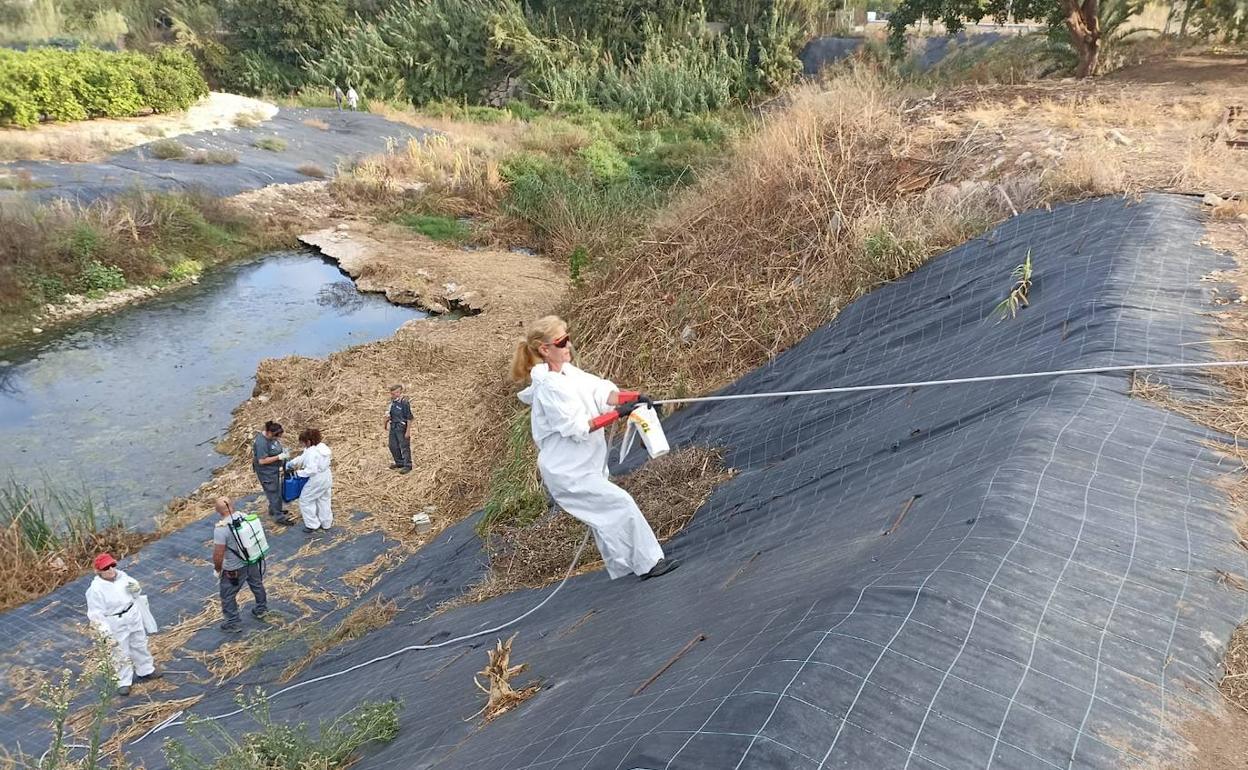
[(232, 571), (266, 460)]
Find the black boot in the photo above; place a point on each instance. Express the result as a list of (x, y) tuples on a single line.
[(663, 567)]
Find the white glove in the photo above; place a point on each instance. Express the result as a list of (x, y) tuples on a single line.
[(134, 588), (284, 455)]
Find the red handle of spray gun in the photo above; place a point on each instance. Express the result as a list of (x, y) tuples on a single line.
[(628, 396), (603, 420)]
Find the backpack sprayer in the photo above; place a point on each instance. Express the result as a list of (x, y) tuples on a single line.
[(248, 535)]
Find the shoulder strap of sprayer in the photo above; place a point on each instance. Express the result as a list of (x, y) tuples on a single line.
[(233, 528)]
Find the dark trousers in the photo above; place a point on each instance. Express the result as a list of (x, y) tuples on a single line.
[(272, 487), (232, 582), (400, 447)]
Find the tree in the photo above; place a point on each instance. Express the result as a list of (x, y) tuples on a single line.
[(288, 32), (1079, 17)]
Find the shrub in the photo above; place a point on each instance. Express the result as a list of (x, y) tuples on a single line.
[(270, 143), (277, 745), (215, 157), (184, 270), (312, 170), (249, 119), (437, 228), (605, 161), (167, 149), (62, 85), (98, 277)]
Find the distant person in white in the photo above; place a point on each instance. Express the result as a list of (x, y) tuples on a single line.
[(570, 408), (315, 501), (353, 99), (114, 610)]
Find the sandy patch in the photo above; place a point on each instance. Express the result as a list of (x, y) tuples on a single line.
[(92, 139)]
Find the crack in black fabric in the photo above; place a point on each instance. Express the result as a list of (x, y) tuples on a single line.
[(1048, 600)]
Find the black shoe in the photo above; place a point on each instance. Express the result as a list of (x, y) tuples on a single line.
[(231, 626), (663, 567), (123, 691), (259, 612), (395, 466), (285, 521), (147, 677), (309, 530), (405, 470)]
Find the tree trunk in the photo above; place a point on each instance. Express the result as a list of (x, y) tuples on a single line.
[(1085, 33), (1187, 14)]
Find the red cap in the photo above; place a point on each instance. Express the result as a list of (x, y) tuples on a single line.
[(104, 561)]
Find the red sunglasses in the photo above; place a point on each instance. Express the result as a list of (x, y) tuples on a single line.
[(562, 342)]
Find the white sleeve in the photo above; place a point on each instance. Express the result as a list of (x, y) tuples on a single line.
[(95, 609), (554, 412), (598, 389)]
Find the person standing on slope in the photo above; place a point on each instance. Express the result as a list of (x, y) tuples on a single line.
[(315, 502), (113, 609), (570, 409)]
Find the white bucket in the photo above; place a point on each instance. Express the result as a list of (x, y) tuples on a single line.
[(644, 422)]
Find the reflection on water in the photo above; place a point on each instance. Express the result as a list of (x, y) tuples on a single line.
[(131, 404)]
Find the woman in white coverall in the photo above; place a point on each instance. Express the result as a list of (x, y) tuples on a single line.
[(113, 609), (313, 464), (570, 408)]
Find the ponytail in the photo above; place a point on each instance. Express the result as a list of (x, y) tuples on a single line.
[(527, 356)]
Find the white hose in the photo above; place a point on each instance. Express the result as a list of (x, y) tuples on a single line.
[(956, 381), (174, 720)]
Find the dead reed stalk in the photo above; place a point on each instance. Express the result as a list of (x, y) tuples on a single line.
[(822, 203)]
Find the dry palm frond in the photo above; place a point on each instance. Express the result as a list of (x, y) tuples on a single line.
[(498, 672)]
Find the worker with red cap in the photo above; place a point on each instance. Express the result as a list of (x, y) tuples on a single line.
[(114, 609)]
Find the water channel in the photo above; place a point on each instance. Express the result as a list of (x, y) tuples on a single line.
[(129, 405)]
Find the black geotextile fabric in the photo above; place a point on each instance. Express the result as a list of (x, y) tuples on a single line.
[(310, 585), (1049, 599), (349, 136)]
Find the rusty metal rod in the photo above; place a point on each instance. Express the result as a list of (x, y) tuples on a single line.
[(688, 646)]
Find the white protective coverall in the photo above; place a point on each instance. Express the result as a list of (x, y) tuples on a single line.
[(573, 464), (314, 501), (107, 603)]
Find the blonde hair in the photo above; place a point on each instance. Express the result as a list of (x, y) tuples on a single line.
[(544, 329)]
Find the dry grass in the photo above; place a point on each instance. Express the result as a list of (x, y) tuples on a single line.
[(249, 119), (316, 123), (312, 170), (27, 574), (364, 619), (1234, 683), (131, 721), (669, 491), (67, 148), (819, 205)]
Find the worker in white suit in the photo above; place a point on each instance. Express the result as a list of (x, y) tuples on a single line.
[(570, 407), (315, 501), (115, 610)]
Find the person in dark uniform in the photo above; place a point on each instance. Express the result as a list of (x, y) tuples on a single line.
[(266, 460), (399, 423)]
